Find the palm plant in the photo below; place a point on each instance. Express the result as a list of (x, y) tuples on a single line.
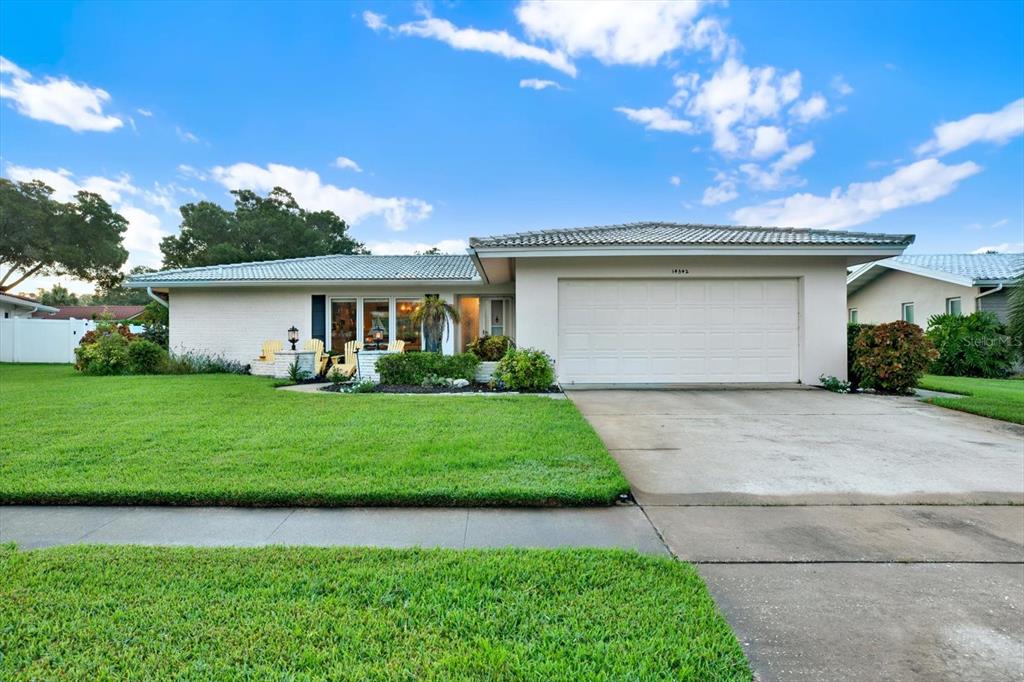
[(436, 316), (1015, 324)]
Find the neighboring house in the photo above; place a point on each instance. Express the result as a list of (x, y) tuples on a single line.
[(12, 305), (646, 303), (95, 312), (913, 288)]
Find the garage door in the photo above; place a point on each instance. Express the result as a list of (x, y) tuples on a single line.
[(677, 331)]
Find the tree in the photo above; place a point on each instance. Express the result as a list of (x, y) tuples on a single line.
[(116, 293), (434, 314), (259, 228), (42, 236), (57, 297), (432, 251), (1015, 324)]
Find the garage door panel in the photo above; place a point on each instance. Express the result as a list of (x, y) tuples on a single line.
[(677, 331)]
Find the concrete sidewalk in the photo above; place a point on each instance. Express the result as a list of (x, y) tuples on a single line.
[(621, 526)]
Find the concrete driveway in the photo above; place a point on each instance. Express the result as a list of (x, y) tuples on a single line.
[(844, 537)]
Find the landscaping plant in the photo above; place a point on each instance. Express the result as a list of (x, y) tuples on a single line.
[(297, 374), (146, 357), (525, 369), (194, 362), (490, 348), (413, 368), (852, 331), (1015, 324), (974, 345), (891, 357), (834, 384), (436, 317)]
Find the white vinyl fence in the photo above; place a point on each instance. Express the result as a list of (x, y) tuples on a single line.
[(40, 340)]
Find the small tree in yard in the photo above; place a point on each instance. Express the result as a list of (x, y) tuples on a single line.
[(436, 316), (891, 357)]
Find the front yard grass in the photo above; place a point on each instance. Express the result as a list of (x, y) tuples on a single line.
[(235, 440), (996, 398), (81, 612)]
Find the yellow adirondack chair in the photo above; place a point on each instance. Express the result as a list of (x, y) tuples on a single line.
[(346, 364), (320, 358), (397, 346), (270, 349)]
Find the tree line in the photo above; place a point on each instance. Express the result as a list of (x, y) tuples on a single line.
[(84, 238)]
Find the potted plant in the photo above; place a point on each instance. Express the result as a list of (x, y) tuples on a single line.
[(490, 350), (436, 316)]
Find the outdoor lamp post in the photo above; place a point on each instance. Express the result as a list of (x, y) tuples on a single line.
[(377, 334), (293, 336)]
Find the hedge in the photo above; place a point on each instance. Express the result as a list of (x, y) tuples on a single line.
[(413, 368)]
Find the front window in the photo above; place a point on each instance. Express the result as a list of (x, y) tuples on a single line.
[(908, 313), (953, 306), (343, 323), (853, 316), (376, 321), (469, 311), (405, 330)]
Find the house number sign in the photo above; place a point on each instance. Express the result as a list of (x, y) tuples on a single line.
[(680, 271)]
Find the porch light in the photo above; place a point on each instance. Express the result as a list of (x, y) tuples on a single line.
[(293, 336), (377, 333)]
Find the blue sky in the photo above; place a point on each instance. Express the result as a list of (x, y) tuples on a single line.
[(462, 119)]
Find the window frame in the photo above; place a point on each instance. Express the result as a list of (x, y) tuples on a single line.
[(852, 316), (903, 312), (959, 305)]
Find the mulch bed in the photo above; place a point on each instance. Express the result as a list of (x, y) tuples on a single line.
[(412, 388)]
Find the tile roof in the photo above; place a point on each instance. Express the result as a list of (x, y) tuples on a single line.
[(341, 267), (88, 312), (975, 266), (657, 234)]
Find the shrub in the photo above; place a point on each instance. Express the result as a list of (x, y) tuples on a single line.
[(974, 345), (192, 362), (104, 328), (361, 386), (834, 384), (413, 368), (156, 332), (891, 357), (491, 348), (297, 374), (336, 376), (106, 354), (146, 357), (852, 331), (525, 369)]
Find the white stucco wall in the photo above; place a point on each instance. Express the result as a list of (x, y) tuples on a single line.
[(881, 300), (821, 283), (235, 321), (10, 311)]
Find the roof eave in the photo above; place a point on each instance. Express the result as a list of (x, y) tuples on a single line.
[(133, 284)]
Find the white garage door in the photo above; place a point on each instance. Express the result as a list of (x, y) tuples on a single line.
[(677, 331)]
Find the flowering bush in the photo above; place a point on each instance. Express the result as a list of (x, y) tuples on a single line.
[(974, 345), (525, 369), (891, 357)]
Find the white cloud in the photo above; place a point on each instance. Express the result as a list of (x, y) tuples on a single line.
[(768, 141), (657, 118), (997, 127), (186, 136), (840, 85), (352, 204), (401, 248), (720, 193), (495, 42), (142, 238), (144, 112), (1005, 247), (776, 176), (675, 180), (617, 31), (188, 171), (538, 84), (737, 98), (1000, 223), (685, 85), (374, 21), (57, 100), (810, 109), (917, 183), (345, 163)]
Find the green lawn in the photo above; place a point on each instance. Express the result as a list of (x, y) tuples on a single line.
[(229, 439), (99, 612), (997, 398)]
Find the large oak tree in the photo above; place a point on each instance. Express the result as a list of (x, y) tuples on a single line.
[(42, 236), (259, 228)]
